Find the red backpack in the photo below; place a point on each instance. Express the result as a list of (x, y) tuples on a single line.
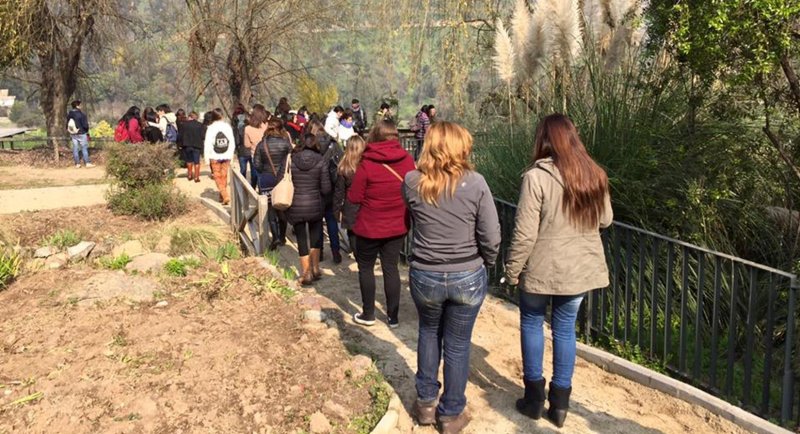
[(121, 132)]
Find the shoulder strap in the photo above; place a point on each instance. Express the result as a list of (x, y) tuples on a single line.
[(289, 166), (397, 175), (269, 157)]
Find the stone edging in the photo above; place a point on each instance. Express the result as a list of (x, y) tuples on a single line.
[(389, 420), (670, 386)]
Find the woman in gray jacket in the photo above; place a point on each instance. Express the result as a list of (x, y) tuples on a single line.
[(456, 236), (556, 256)]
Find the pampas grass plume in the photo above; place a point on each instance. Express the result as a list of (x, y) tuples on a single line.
[(519, 29), (504, 53)]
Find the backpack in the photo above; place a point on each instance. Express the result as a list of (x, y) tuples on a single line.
[(121, 132), (171, 135), (72, 127), (221, 143)]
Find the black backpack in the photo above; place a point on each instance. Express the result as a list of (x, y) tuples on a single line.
[(221, 143), (334, 155)]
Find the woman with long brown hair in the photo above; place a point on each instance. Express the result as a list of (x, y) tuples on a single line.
[(344, 210), (556, 256), (269, 160), (456, 236)]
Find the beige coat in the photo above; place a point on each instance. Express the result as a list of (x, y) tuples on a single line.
[(548, 254)]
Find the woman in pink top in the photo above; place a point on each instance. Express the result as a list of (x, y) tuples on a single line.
[(253, 133)]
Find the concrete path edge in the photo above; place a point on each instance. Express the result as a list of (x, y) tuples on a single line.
[(670, 386)]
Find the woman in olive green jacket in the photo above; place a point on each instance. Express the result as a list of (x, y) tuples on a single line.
[(556, 256)]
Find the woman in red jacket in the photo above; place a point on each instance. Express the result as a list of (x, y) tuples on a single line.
[(382, 220)]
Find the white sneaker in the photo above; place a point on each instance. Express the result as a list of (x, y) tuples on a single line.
[(365, 322), (77, 166), (89, 165)]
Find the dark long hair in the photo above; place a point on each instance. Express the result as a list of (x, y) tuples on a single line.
[(309, 141), (585, 182), (133, 112)]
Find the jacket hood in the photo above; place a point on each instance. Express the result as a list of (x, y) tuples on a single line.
[(389, 151), (306, 159), (171, 118), (548, 166)]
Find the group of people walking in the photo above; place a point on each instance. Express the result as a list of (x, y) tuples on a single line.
[(346, 173), (556, 255)]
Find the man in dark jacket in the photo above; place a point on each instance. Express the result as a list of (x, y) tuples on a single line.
[(191, 132), (78, 129), (359, 117)]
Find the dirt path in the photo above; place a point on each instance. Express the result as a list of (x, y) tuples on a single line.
[(602, 402), (67, 188)]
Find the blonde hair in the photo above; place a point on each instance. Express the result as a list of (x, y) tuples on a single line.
[(444, 159), (352, 156)]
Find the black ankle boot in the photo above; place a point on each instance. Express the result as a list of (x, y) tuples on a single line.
[(559, 404), (532, 404)]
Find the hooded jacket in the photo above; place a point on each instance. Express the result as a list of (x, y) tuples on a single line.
[(382, 212), (311, 182), (548, 254)]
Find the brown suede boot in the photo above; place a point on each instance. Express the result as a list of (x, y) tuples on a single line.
[(306, 277), (453, 424), (196, 172), (190, 171), (315, 271)]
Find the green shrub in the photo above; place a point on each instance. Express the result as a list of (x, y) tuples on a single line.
[(117, 263), (150, 202), (185, 241), (10, 264), (25, 115), (140, 165), (180, 267), (63, 238), (222, 253)]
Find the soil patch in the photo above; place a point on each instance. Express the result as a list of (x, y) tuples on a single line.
[(220, 352), (93, 223)]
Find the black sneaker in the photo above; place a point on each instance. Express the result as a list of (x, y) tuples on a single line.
[(357, 318), (394, 323)]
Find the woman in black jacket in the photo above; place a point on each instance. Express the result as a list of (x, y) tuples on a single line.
[(311, 182), (270, 163)]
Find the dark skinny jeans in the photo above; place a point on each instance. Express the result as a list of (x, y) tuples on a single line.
[(367, 252)]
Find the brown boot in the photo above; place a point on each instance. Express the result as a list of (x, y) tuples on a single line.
[(306, 277), (196, 172), (315, 271), (453, 424), (190, 171)]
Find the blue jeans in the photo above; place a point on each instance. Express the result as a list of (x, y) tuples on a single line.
[(447, 304), (333, 228), (80, 143), (243, 162), (532, 308)]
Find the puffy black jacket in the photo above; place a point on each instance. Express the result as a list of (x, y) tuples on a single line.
[(311, 181), (343, 209), (278, 149)]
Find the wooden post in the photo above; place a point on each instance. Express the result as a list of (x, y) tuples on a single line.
[(264, 233)]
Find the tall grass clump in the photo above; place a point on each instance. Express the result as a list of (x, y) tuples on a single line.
[(184, 241), (10, 266), (142, 181)]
